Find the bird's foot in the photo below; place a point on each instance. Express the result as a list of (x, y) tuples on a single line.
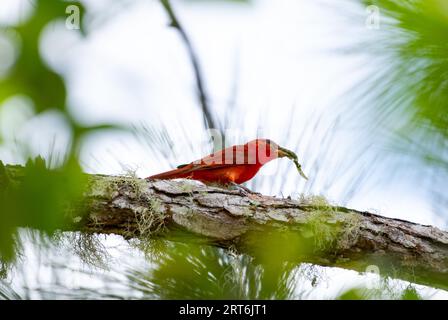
[(244, 191)]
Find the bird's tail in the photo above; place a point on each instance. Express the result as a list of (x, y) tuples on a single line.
[(182, 172)]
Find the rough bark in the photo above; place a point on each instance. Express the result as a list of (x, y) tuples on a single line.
[(340, 237)]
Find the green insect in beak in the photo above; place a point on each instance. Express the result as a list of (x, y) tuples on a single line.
[(283, 152)]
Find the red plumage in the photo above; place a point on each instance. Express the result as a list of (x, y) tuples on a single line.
[(236, 164)]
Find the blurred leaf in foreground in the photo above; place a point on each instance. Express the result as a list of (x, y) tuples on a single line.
[(38, 201), (405, 93), (191, 271), (381, 293), (30, 75)]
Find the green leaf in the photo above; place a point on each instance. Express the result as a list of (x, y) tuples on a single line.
[(39, 200), (30, 75)]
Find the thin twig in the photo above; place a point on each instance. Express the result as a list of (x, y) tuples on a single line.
[(208, 118)]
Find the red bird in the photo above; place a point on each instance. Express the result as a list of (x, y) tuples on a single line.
[(236, 164)]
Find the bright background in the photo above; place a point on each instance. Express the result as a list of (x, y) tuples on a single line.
[(275, 69)]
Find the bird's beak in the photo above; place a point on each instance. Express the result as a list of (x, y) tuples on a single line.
[(283, 152)]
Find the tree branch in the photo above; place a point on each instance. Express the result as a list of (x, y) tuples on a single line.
[(332, 236)]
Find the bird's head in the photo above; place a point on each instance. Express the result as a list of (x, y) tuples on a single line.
[(268, 150)]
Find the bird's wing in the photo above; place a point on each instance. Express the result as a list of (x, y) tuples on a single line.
[(185, 170), (235, 157), (232, 155), (211, 162), (200, 167)]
